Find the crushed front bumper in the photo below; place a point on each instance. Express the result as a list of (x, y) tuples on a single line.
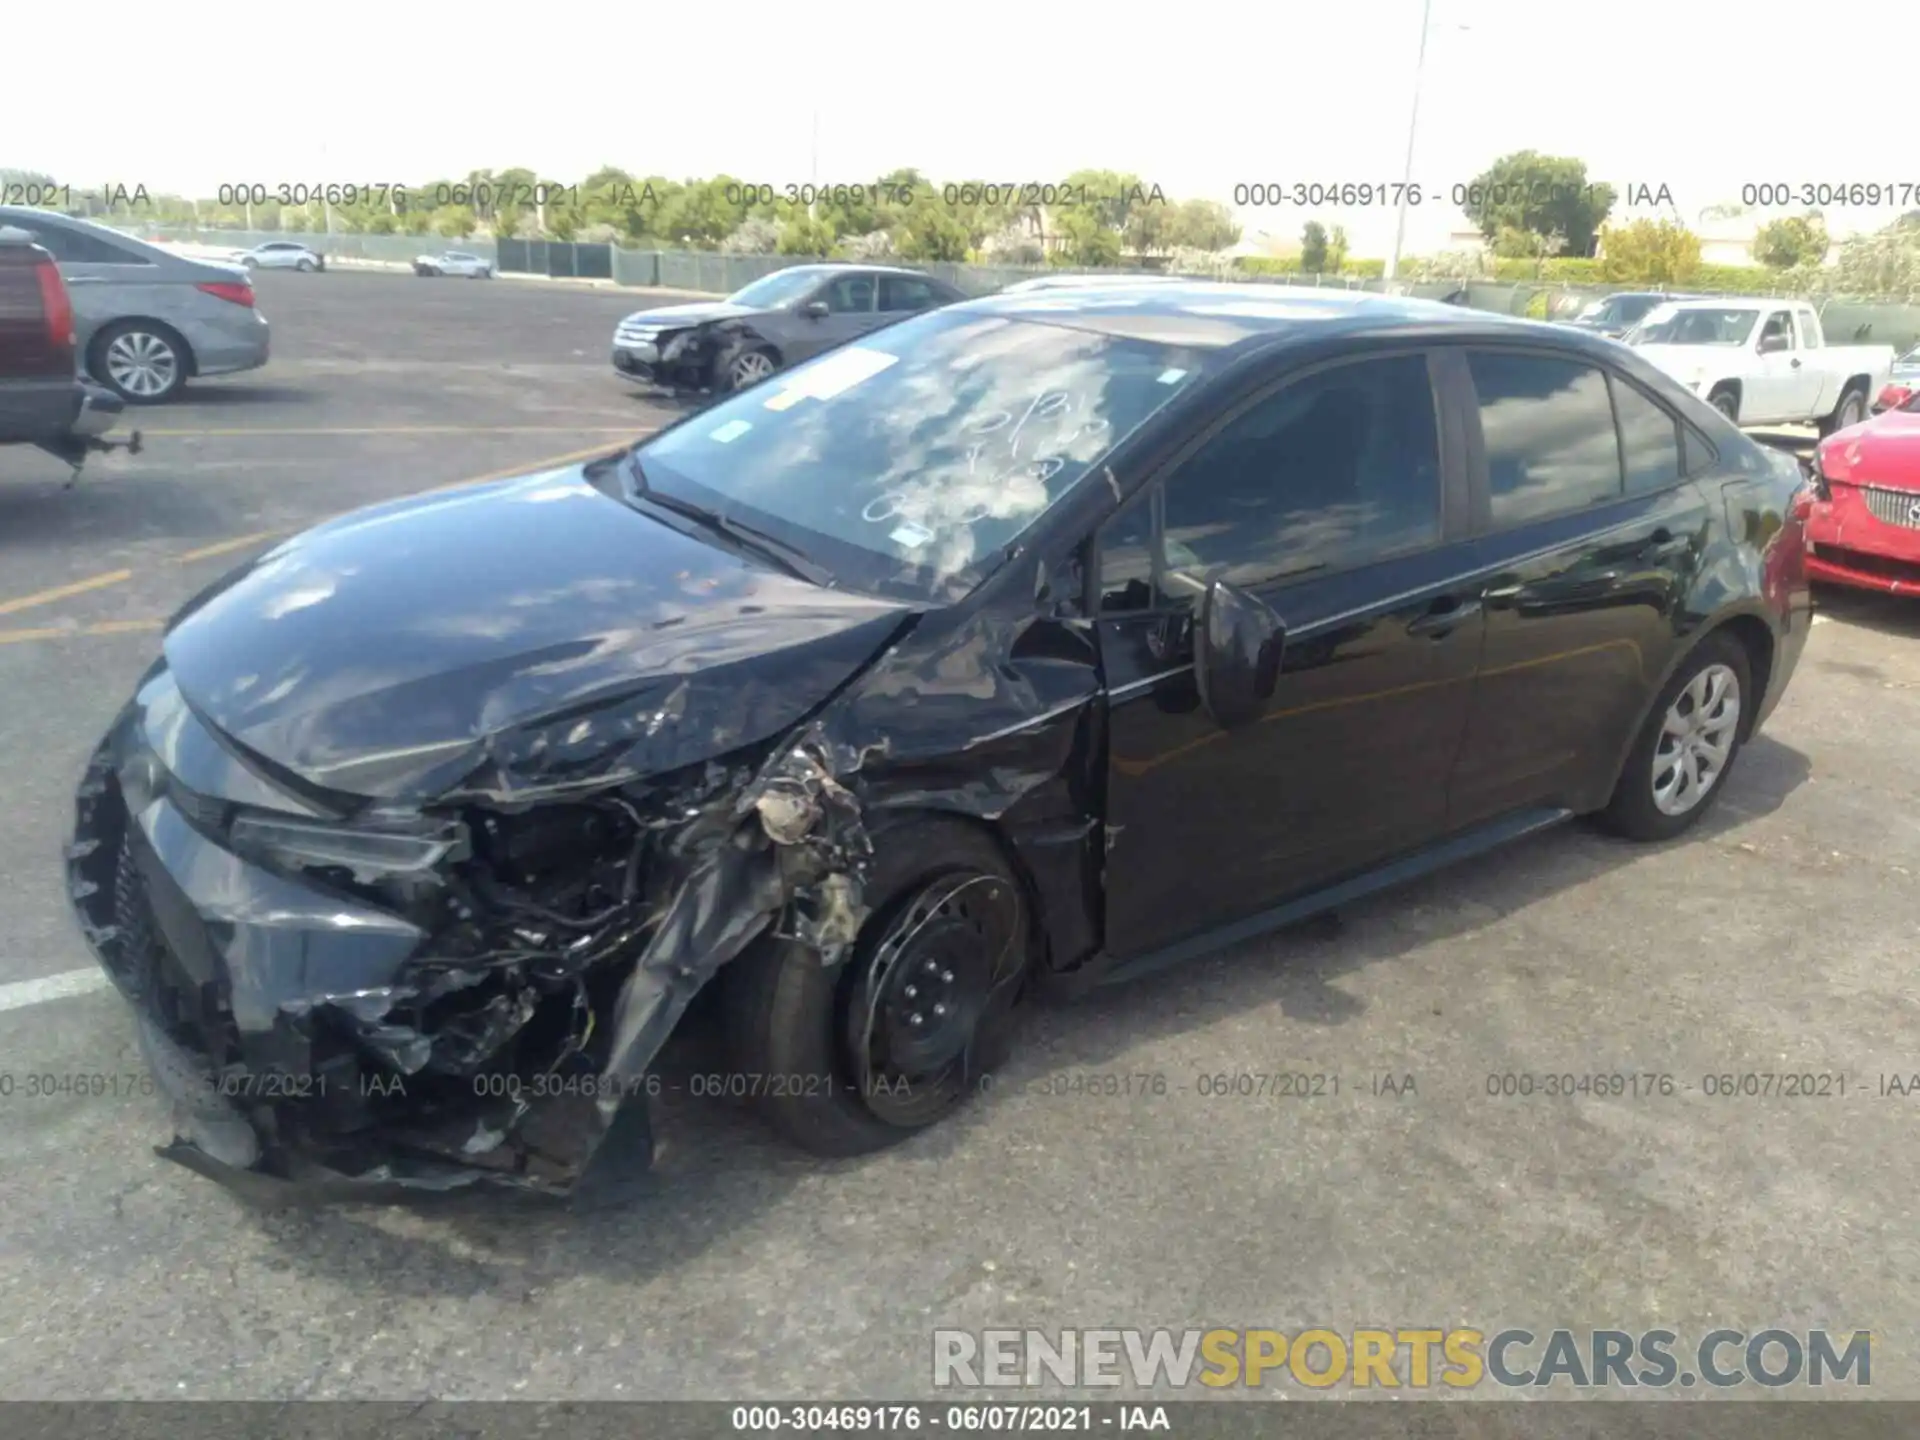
[(266, 1010)]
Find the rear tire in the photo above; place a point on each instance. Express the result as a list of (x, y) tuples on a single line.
[(141, 361), (1671, 778), (834, 1057), (1727, 402), (1851, 410)]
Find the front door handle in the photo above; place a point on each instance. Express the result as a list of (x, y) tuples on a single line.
[(1444, 617)]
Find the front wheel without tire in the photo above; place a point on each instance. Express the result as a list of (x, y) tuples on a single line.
[(1679, 761), (853, 1058), (747, 368)]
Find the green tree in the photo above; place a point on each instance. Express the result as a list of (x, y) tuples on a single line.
[(1791, 240), (1200, 225), (1313, 248), (1649, 252), (1089, 244), (930, 232), (1336, 250), (802, 234), (1546, 196)]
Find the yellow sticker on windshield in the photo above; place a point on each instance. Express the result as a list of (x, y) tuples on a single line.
[(785, 400)]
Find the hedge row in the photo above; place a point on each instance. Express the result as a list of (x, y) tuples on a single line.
[(1290, 265)]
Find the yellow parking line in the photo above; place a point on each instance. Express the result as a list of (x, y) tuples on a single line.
[(408, 430), (104, 627), (239, 542), (535, 466), (61, 592)]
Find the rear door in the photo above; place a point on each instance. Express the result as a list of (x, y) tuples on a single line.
[(1339, 498), (1816, 387), (1591, 537)]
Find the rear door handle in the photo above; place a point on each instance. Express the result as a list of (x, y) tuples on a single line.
[(1444, 617), (1663, 545)]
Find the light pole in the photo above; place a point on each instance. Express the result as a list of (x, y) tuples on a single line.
[(1413, 129)]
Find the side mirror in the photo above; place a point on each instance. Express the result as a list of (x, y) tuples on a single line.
[(1236, 660), (1772, 344), (814, 309)]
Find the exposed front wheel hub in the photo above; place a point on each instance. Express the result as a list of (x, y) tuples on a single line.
[(934, 996)]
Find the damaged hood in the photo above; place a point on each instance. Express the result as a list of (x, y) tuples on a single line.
[(512, 639), (700, 312)]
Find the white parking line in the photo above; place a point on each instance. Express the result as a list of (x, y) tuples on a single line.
[(22, 993)]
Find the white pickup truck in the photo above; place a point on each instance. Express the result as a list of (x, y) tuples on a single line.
[(1763, 362)]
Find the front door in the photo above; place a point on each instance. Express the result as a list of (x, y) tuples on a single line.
[(1593, 533), (1328, 498), (1773, 381), (851, 312)]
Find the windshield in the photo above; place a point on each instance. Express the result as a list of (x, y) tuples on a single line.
[(908, 461), (1911, 358), (776, 289), (1595, 310), (1670, 325)]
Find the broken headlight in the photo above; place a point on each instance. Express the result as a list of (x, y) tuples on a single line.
[(672, 347), (365, 852)]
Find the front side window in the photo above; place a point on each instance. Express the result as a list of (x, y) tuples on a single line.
[(850, 295), (1548, 429), (779, 288), (1778, 330), (1333, 470), (907, 461)]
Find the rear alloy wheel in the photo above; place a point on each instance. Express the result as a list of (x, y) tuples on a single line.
[(1680, 760), (140, 363), (858, 1057), (747, 368)]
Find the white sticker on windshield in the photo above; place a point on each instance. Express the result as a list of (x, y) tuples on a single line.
[(1172, 377), (910, 535), (730, 432), (839, 372)]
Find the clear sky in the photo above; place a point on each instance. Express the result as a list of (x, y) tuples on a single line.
[(1695, 96)]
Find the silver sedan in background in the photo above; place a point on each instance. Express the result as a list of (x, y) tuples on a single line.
[(454, 262), (281, 255), (146, 320)]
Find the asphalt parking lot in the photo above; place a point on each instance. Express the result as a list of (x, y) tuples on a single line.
[(1779, 938)]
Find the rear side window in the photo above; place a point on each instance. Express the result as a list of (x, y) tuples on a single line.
[(898, 292), (1649, 441), (77, 247), (1549, 433), (1700, 455)]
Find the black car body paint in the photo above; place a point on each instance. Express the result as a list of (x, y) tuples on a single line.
[(624, 754)]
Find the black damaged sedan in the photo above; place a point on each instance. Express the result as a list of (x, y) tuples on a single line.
[(1038, 642)]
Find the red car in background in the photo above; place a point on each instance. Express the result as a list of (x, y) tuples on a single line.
[(1863, 512)]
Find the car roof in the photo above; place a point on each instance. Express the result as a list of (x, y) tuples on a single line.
[(1219, 315), (842, 267)]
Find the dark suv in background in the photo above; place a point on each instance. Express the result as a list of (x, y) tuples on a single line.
[(43, 401)]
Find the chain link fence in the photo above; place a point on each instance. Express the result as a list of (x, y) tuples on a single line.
[(1846, 320)]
